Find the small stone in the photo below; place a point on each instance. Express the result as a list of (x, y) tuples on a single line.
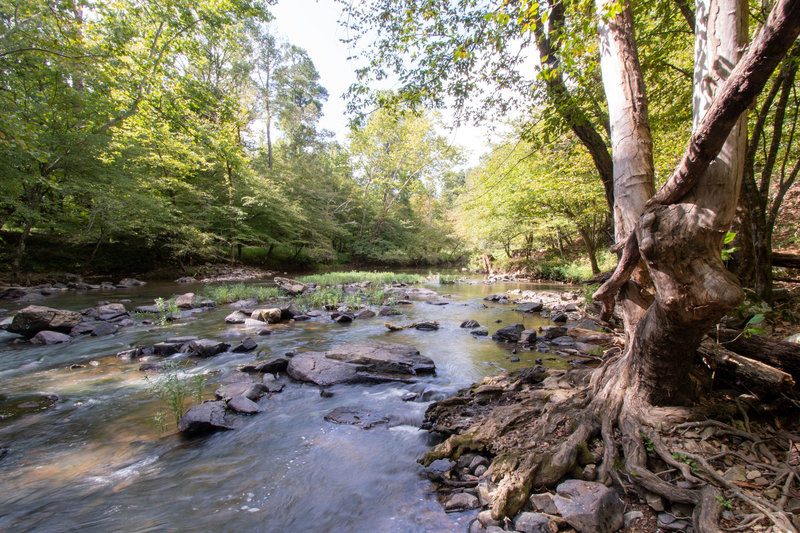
[(654, 501), (479, 332), (470, 324), (409, 396), (477, 461), (514, 359), (735, 473), (104, 328), (325, 394), (590, 472), (543, 503), (753, 474), (774, 493), (631, 517), (461, 502), (486, 520), (534, 523), (364, 313), (480, 470)]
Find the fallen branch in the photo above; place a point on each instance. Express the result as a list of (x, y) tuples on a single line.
[(759, 377)]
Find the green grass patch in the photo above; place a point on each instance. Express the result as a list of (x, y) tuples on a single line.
[(239, 291), (334, 296), (330, 279)]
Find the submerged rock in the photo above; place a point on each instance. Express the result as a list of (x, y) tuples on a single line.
[(206, 347), (357, 416), (204, 418), (270, 366), (104, 328), (243, 405), (35, 318), (360, 363), (470, 324), (510, 333), (247, 345), (530, 307), (50, 337), (250, 390)]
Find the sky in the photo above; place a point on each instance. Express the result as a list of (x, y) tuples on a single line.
[(313, 25)]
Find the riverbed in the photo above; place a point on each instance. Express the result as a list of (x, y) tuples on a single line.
[(92, 460)]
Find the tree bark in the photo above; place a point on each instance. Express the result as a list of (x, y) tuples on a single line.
[(631, 145)]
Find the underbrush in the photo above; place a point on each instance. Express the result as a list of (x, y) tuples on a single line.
[(556, 268)]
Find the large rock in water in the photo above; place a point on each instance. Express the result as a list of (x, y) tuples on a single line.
[(50, 337), (360, 363), (384, 357), (510, 333), (207, 417), (35, 318)]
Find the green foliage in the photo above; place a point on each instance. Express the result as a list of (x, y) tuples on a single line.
[(330, 279), (167, 310), (227, 293), (174, 388), (727, 252), (727, 503)]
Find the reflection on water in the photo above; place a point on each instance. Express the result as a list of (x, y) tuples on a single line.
[(94, 462)]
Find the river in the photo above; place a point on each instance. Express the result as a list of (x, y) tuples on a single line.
[(93, 461)]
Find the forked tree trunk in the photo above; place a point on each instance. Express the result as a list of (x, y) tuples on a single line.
[(681, 241), (680, 233)]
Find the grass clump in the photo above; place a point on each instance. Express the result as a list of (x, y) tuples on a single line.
[(334, 296), (330, 279), (174, 387), (227, 293)]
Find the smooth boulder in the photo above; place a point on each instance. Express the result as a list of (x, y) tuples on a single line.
[(35, 318), (270, 316), (243, 405), (50, 337), (204, 418)]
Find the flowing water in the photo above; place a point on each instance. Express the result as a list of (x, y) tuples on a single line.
[(92, 460)]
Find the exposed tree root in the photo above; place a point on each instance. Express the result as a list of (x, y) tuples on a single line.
[(539, 431)]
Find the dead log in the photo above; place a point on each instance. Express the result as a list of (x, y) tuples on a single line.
[(781, 259), (755, 375), (779, 354)]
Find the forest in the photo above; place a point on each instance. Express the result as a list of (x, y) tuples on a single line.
[(142, 134)]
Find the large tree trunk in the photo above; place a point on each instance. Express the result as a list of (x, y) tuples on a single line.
[(681, 231), (631, 146)]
